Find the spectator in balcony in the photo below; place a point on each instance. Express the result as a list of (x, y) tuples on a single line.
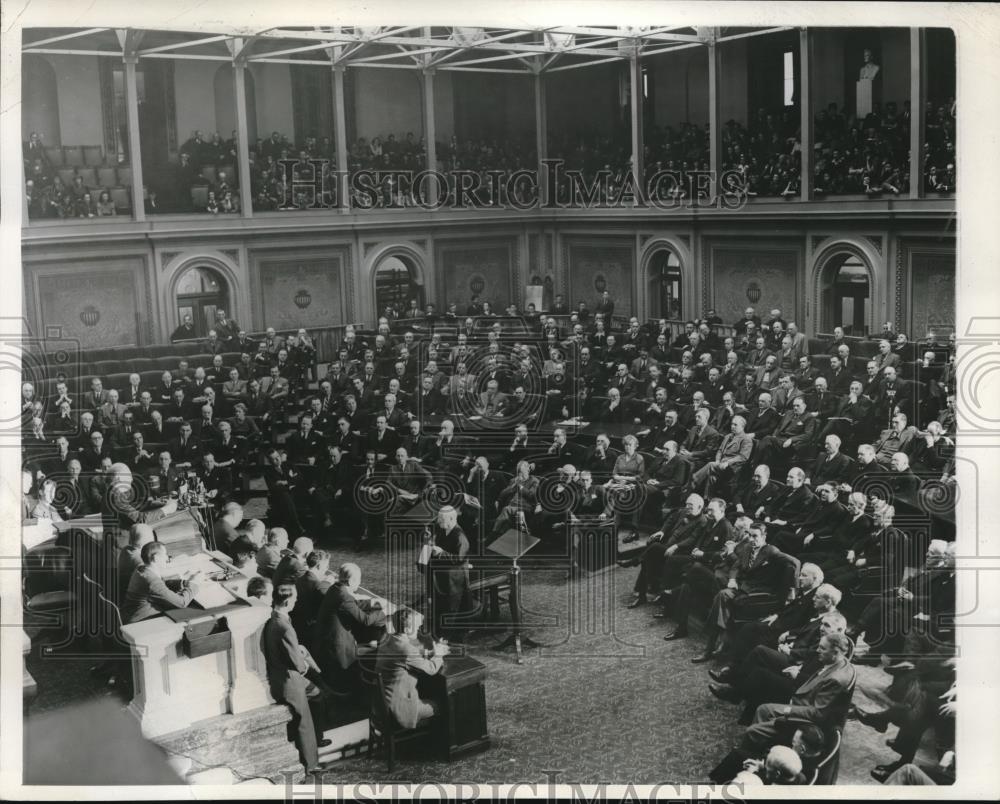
[(185, 330), (105, 206)]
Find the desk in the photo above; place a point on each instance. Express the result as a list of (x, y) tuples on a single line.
[(460, 692), (173, 691)]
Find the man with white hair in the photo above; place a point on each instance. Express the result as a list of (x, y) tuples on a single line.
[(448, 574), (118, 513), (832, 466), (886, 620), (676, 538)]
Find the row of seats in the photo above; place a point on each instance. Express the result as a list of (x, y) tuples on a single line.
[(75, 155), (100, 178)]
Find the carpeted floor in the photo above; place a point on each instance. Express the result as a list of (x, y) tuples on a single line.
[(607, 699)]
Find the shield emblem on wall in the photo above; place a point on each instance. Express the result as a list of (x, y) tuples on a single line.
[(303, 299), (600, 283), (477, 283), (753, 292), (90, 315)]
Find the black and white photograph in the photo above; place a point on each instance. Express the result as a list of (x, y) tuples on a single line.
[(499, 401)]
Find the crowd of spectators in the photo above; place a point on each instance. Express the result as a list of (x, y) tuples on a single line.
[(679, 437), (851, 156)]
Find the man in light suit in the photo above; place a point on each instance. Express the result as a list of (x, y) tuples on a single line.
[(702, 440), (733, 452), (111, 412), (398, 660), (287, 664), (823, 698), (148, 594), (492, 401)]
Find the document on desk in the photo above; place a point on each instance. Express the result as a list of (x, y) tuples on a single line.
[(211, 595)]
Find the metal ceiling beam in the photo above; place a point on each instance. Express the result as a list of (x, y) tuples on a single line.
[(755, 33), (178, 45), (286, 52), (53, 39)]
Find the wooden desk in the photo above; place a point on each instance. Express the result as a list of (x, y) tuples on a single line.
[(460, 692)]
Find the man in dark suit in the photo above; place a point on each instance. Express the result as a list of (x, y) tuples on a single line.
[(486, 486), (409, 479), (832, 466), (148, 595), (792, 438), (448, 575), (428, 401), (770, 630), (382, 441), (672, 542), (838, 378), (669, 473), (311, 587), (343, 621), (305, 443), (702, 441), (185, 449), (287, 664)]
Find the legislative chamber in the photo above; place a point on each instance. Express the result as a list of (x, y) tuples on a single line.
[(569, 397)]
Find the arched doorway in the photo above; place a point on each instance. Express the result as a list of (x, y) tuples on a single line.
[(663, 274), (845, 295), (397, 280), (40, 109), (201, 292)]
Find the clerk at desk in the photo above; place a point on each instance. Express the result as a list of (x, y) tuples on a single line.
[(398, 661), (148, 594)]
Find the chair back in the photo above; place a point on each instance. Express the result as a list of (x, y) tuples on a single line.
[(827, 768)]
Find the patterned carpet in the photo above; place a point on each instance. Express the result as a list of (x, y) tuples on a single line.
[(606, 701)]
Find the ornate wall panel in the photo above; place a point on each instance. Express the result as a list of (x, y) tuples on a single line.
[(599, 264), (932, 292), (97, 307), (757, 276), (306, 292), (486, 270)]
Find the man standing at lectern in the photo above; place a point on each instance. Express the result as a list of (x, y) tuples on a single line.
[(449, 575)]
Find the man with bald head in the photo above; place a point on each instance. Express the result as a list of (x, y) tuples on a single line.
[(292, 566)]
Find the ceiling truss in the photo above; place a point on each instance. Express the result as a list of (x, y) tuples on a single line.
[(509, 50)]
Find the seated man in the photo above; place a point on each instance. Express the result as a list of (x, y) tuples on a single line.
[(398, 660), (271, 553), (821, 699), (673, 543), (733, 452), (771, 676), (409, 479), (345, 619), (224, 527), (518, 502), (756, 567), (148, 595)]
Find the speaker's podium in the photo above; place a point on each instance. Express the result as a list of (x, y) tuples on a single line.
[(512, 545), (594, 543)]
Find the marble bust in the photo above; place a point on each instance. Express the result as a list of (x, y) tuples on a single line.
[(869, 69)]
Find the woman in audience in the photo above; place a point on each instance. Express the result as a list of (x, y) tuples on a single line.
[(105, 206), (626, 487)]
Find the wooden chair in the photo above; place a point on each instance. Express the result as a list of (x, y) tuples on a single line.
[(383, 730)]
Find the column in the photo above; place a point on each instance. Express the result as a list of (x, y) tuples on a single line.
[(243, 144), (340, 133), (541, 138), (429, 133), (805, 112), (635, 82), (714, 116), (918, 102), (24, 196), (134, 150)]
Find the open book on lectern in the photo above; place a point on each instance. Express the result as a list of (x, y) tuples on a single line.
[(513, 544)]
